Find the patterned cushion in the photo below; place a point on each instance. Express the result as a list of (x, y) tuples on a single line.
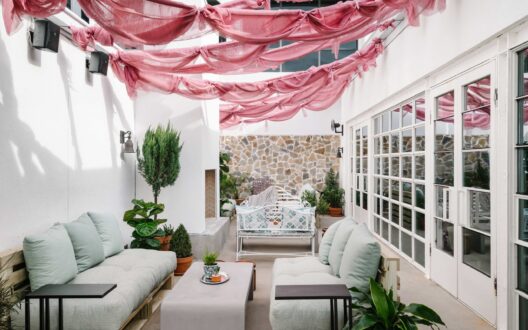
[(252, 217), (297, 218)]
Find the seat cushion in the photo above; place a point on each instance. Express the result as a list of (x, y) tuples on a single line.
[(49, 257), (360, 259), (338, 245), (298, 266), (302, 314), (251, 217), (109, 232), (87, 245), (326, 242), (297, 218)]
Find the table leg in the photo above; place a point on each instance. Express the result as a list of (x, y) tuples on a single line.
[(345, 311), (47, 314), (336, 312), (41, 314), (332, 314), (350, 312), (61, 315), (28, 316)]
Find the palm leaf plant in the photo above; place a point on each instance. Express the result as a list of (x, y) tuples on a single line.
[(9, 301), (143, 218), (377, 310)]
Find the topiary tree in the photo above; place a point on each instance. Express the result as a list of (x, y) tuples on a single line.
[(181, 242), (160, 163), (333, 194)]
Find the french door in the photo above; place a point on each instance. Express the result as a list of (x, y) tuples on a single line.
[(359, 184), (463, 244)]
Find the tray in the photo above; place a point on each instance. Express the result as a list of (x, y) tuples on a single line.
[(206, 280)]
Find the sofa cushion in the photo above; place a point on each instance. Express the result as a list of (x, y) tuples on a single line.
[(338, 245), (326, 242), (252, 217), (360, 259), (109, 232), (49, 257), (87, 245), (298, 266)]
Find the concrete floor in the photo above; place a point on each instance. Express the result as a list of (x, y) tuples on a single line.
[(414, 288)]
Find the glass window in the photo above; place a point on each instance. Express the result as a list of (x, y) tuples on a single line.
[(395, 118), (522, 171), (445, 105), (395, 169), (522, 110), (406, 244), (522, 80), (444, 135), (385, 144), (419, 227), (377, 125), (385, 122), (476, 251), (395, 142), (395, 213), (385, 165), (419, 110), (376, 225), (478, 94), (479, 210), (385, 209), (444, 167), (407, 140), (419, 195), (365, 201), (376, 146), (419, 167), (419, 252), (300, 64), (444, 236), (395, 236), (395, 190), (476, 169), (386, 188), (523, 220), (406, 167), (407, 114), (407, 192), (522, 268), (476, 129), (385, 230), (419, 140), (407, 218), (523, 313)]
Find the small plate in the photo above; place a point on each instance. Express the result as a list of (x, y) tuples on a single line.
[(224, 279)]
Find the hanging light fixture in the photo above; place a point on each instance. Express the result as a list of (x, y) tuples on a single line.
[(129, 145), (335, 127), (340, 152)]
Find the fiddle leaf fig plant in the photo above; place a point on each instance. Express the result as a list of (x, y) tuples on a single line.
[(142, 217)]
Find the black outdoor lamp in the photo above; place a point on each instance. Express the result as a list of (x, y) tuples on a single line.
[(129, 145), (337, 127), (340, 152)]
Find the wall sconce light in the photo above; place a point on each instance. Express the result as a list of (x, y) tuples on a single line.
[(129, 145), (340, 152), (337, 127)]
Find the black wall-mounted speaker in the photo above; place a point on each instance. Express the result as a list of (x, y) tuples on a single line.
[(98, 63), (46, 35)]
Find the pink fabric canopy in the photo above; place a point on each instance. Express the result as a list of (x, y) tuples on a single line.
[(13, 10), (155, 22)]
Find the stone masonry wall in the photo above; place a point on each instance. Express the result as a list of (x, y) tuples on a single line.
[(289, 161)]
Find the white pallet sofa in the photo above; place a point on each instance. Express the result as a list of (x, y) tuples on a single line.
[(281, 216)]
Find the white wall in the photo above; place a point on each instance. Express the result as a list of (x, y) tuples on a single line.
[(59, 139)]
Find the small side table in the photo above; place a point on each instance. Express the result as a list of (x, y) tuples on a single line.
[(332, 292), (60, 292)]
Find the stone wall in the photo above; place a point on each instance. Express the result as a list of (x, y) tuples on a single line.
[(289, 161)]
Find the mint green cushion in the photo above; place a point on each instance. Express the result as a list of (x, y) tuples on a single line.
[(49, 257), (360, 259), (109, 232), (338, 245), (326, 242), (86, 243)]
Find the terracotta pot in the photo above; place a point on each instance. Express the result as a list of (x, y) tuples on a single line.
[(239, 201), (335, 211), (165, 242), (183, 265)]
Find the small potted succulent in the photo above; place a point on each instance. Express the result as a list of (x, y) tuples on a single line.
[(211, 268), (165, 239), (181, 245)]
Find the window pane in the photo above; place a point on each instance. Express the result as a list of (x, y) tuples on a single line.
[(419, 195), (407, 218), (407, 192), (377, 125), (385, 165), (377, 206), (302, 63), (395, 169), (523, 220), (377, 183), (385, 144), (419, 140), (376, 225), (444, 168), (365, 147), (385, 230), (476, 251), (385, 209), (407, 115), (445, 105), (419, 167), (395, 236), (327, 56), (444, 234), (476, 169), (377, 166), (395, 190), (376, 146), (522, 109), (406, 167), (523, 314), (419, 252), (476, 129), (395, 118), (523, 73), (395, 143), (419, 224), (406, 244), (478, 94), (386, 188), (522, 268), (365, 165), (358, 198), (407, 140), (439, 197), (522, 171), (444, 134), (479, 210), (419, 110), (395, 213), (385, 122), (365, 201)]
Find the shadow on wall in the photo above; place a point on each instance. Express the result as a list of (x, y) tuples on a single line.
[(37, 187)]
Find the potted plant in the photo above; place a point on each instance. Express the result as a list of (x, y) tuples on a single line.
[(210, 266), (333, 194), (181, 245), (143, 218), (9, 301), (168, 231), (377, 310)]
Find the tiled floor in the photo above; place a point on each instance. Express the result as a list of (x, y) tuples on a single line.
[(414, 288)]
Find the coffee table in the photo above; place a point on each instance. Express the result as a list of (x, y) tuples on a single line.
[(194, 305)]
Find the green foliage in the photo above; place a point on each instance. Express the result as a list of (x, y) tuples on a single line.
[(225, 158), (143, 218), (322, 207), (9, 302), (209, 258), (181, 243), (309, 196), (160, 164), (377, 310), (168, 230), (230, 186), (332, 193)]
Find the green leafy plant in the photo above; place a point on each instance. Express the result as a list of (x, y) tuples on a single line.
[(143, 218), (209, 258), (225, 158), (332, 193), (322, 207), (181, 242), (160, 163), (377, 310), (168, 230), (9, 301), (310, 197)]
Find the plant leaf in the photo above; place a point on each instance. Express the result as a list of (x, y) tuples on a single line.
[(367, 321), (379, 300), (424, 313)]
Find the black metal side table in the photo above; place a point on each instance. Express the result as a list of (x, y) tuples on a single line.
[(332, 292), (60, 292)]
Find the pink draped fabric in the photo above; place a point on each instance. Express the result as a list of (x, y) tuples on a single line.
[(13, 10), (161, 21), (85, 37)]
